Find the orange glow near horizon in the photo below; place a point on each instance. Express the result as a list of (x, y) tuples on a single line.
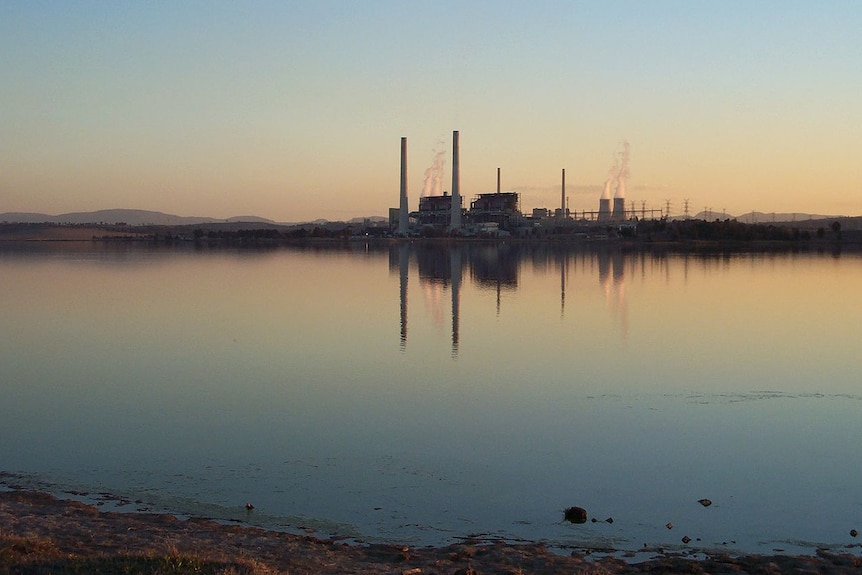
[(294, 112)]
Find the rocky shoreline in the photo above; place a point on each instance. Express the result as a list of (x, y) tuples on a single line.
[(40, 533)]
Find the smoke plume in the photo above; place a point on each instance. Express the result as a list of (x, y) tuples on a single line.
[(606, 193), (433, 185), (623, 173), (613, 174)]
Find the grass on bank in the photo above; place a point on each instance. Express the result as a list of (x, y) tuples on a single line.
[(39, 556)]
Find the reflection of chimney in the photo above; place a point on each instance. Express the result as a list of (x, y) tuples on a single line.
[(455, 270), (564, 265), (619, 285), (403, 263), (455, 221), (402, 212)]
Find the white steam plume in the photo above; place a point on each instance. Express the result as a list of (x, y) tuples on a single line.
[(623, 172), (606, 194), (613, 174), (433, 185)]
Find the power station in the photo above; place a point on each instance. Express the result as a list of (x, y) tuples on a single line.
[(498, 214)]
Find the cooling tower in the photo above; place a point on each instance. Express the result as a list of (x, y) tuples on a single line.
[(402, 212), (604, 209), (455, 221), (605, 201), (619, 213)]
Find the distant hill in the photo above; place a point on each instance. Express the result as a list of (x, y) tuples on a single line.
[(794, 219), (768, 218), (759, 217), (146, 217), (25, 218), (131, 217), (372, 219), (250, 219)]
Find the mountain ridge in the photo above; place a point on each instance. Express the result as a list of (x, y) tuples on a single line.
[(135, 217)]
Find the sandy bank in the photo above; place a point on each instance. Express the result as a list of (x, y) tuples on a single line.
[(42, 534)]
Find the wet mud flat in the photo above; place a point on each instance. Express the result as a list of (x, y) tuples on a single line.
[(40, 533)]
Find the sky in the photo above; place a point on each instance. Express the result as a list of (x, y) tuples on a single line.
[(294, 110)]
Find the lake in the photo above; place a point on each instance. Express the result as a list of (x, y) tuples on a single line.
[(421, 393)]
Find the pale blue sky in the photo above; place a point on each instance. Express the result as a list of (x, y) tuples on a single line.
[(294, 110)]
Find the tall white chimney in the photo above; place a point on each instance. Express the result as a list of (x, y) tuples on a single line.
[(402, 212), (455, 221), (563, 196)]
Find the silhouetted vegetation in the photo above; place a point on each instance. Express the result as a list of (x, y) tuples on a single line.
[(836, 229), (719, 231), (724, 234)]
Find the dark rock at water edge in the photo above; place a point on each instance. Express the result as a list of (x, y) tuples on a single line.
[(576, 515), (608, 520)]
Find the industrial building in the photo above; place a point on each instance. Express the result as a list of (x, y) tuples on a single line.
[(435, 210), (500, 208), (500, 213), (488, 213)]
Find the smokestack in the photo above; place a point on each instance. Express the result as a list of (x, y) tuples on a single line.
[(498, 180), (563, 196), (455, 222), (402, 212)]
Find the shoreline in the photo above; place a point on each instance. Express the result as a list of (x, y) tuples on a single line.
[(685, 236), (41, 533), (657, 247)]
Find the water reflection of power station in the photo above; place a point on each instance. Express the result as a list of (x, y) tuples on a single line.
[(499, 213), (496, 268)]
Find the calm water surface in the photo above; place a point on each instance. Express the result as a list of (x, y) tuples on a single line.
[(419, 394)]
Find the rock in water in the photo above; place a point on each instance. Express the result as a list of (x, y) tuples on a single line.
[(705, 502), (576, 515)]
